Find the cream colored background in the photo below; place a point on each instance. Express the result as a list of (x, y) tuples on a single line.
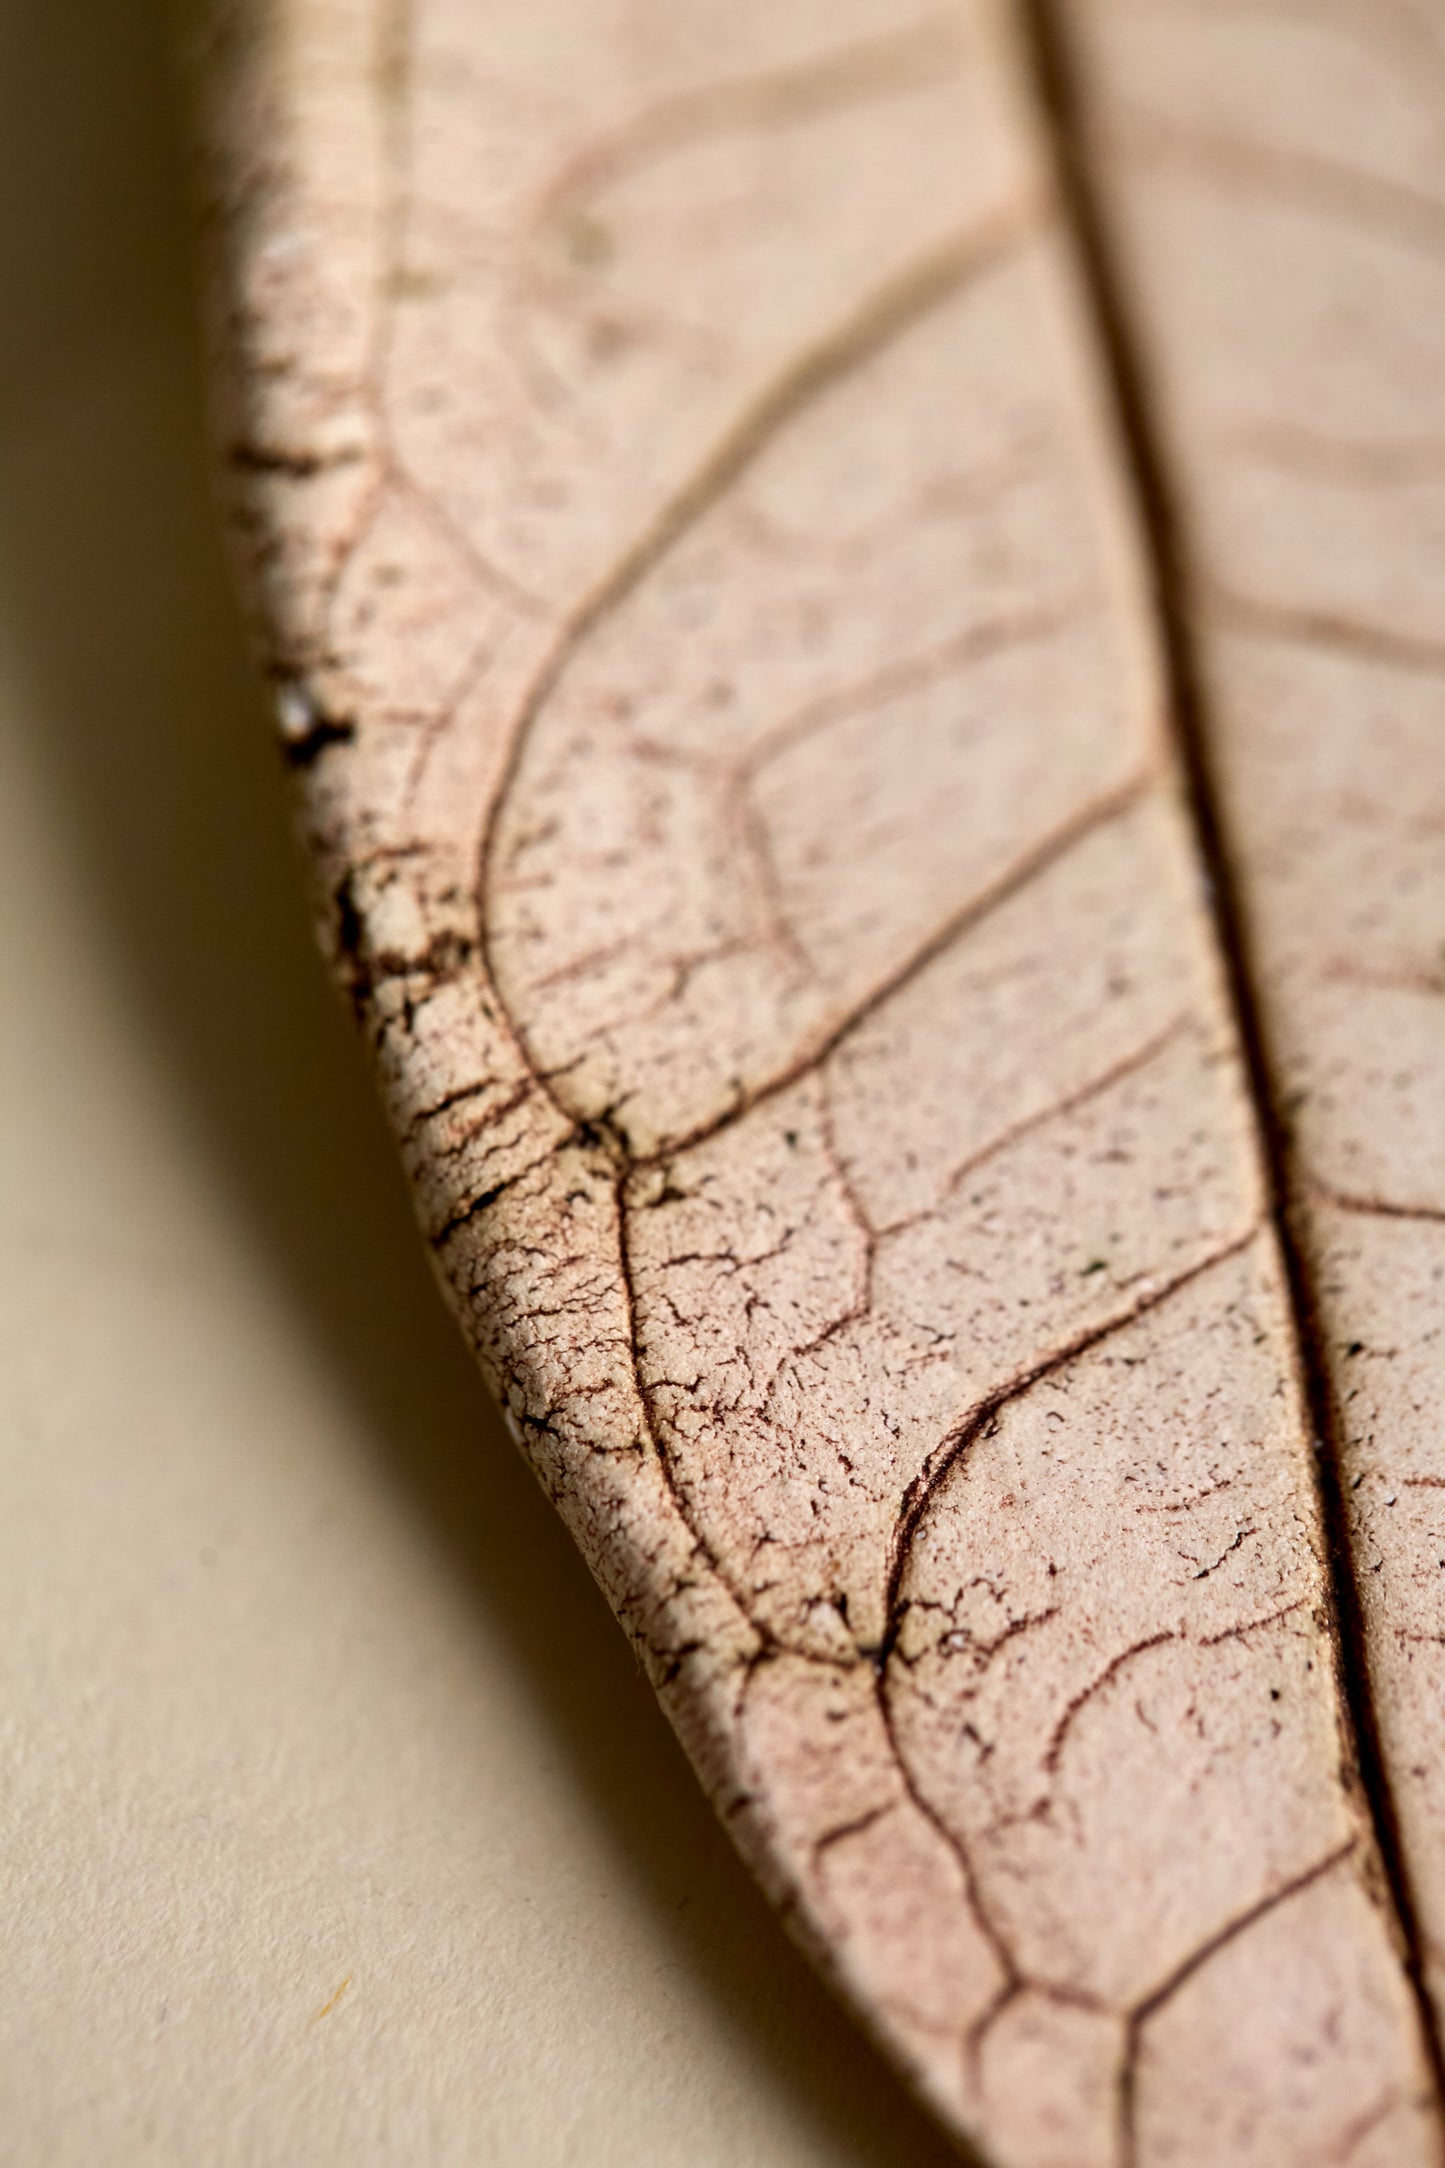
[(303, 1685)]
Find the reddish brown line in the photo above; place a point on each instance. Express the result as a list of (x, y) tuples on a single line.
[(1175, 602)]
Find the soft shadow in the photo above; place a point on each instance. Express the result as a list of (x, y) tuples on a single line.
[(154, 742)]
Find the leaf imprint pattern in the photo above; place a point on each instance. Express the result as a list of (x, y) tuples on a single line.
[(766, 821)]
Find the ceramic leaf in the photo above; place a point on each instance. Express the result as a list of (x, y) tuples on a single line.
[(855, 598)]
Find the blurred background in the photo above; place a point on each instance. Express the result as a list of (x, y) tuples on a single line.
[(339, 1822)]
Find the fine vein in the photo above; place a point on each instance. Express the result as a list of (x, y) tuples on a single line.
[(1049, 47)]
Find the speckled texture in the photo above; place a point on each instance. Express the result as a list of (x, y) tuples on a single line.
[(676, 470), (1276, 179)]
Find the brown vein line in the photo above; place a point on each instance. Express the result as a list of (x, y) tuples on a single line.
[(1068, 1998), (1058, 1109), (449, 531), (915, 1504), (1108, 806), (1102, 1679), (1369, 2121), (1058, 1738), (976, 643), (901, 301), (655, 1431), (1372, 978), (1343, 1200), (1012, 1978), (1155, 2000), (838, 80), (1051, 56), (1321, 185), (920, 1493), (1252, 1625), (392, 62), (1415, 40), (1299, 625), (1352, 462), (853, 1828)]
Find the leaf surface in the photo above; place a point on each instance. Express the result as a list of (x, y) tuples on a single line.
[(840, 753)]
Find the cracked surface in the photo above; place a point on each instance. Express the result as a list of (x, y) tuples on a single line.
[(1313, 229), (677, 472)]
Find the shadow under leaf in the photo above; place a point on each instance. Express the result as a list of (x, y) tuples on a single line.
[(152, 739)]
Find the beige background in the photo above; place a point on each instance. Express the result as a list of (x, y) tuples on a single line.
[(303, 1685)]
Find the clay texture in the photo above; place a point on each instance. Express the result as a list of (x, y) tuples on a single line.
[(1287, 254), (677, 453)]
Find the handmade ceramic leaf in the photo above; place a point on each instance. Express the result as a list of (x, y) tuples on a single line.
[(855, 599)]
